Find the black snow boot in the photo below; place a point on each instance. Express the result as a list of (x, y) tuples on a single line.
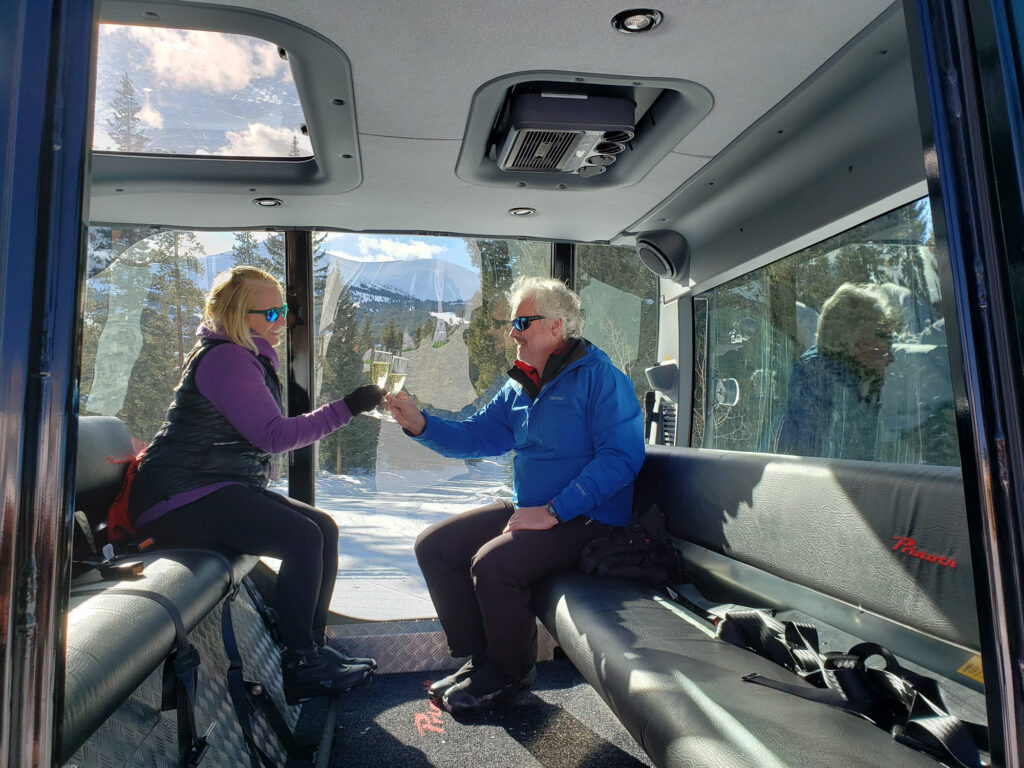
[(308, 672)]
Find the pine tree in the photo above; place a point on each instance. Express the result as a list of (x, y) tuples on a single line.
[(274, 246), (392, 339), (172, 311), (353, 448), (246, 250), (124, 126), (490, 350), (365, 338)]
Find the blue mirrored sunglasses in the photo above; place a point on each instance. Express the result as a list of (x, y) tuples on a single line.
[(522, 322), (271, 314)]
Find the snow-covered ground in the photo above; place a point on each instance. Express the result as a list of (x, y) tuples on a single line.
[(380, 516)]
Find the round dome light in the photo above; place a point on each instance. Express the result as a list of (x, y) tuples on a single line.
[(636, 20)]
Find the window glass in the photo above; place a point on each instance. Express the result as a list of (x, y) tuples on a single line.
[(194, 93), (836, 351), (144, 297), (619, 296), (440, 303)]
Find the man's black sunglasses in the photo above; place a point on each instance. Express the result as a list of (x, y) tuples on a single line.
[(522, 322), (271, 314)]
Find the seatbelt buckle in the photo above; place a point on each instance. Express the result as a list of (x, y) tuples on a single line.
[(234, 591), (186, 661), (198, 751), (131, 569)]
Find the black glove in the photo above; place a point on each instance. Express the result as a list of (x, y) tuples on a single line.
[(364, 399)]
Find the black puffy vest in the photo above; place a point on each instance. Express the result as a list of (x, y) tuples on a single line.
[(197, 446)]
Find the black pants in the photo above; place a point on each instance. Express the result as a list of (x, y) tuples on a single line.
[(302, 537), (480, 579)]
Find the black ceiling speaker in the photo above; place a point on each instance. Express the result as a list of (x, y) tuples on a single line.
[(666, 253)]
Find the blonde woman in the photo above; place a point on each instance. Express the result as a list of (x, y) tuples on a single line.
[(203, 480)]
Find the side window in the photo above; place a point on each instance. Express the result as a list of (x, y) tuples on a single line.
[(620, 307), (836, 351), (144, 298)]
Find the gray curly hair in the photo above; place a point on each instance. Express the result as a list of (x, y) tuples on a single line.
[(553, 299)]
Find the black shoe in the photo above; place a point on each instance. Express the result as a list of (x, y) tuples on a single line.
[(437, 690), (308, 672), (334, 648), (485, 689)]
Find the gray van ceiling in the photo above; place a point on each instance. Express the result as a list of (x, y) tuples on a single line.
[(745, 78)]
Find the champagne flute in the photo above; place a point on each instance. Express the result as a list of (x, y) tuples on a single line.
[(397, 372), (380, 365), (396, 376)]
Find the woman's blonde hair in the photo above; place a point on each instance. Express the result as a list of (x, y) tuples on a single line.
[(553, 299), (227, 305)]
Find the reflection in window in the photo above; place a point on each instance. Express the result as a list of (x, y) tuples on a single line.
[(836, 351), (190, 92), (144, 298), (619, 296)]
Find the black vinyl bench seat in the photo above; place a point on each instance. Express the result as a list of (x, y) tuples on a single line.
[(815, 535), (115, 641)]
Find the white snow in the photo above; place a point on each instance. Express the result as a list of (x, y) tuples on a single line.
[(379, 518)]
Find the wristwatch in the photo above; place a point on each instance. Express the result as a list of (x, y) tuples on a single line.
[(551, 511)]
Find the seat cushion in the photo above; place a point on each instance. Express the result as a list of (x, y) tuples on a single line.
[(680, 691)]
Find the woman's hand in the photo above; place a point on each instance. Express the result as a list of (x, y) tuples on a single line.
[(406, 413), (530, 519), (363, 399)]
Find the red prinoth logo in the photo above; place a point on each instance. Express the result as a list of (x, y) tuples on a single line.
[(908, 546)]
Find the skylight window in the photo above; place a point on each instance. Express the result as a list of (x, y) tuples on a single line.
[(189, 92)]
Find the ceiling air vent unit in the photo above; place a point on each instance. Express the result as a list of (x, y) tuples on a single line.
[(577, 133)]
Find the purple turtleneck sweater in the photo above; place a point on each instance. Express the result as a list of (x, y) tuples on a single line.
[(232, 379)]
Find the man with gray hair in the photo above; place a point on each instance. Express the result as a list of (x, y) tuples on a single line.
[(575, 425)]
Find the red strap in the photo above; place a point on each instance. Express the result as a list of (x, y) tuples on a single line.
[(119, 525)]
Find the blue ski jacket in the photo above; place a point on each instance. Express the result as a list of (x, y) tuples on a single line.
[(579, 444)]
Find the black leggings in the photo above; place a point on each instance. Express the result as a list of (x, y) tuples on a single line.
[(302, 537)]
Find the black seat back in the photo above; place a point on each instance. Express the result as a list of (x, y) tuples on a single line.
[(104, 452)]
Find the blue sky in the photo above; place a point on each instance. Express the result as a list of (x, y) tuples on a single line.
[(362, 247)]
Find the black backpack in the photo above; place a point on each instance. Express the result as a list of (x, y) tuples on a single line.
[(641, 551)]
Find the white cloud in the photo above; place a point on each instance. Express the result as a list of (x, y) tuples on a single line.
[(211, 61), (259, 140), (388, 249), (151, 116)]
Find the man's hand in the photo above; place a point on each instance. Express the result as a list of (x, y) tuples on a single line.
[(530, 519), (406, 413)]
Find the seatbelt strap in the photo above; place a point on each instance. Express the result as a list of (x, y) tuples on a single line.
[(185, 663), (247, 695), (906, 704)]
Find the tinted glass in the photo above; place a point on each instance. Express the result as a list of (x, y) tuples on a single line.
[(837, 351)]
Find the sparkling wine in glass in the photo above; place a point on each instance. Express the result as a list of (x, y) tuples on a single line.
[(380, 364), (396, 376), (394, 381)]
